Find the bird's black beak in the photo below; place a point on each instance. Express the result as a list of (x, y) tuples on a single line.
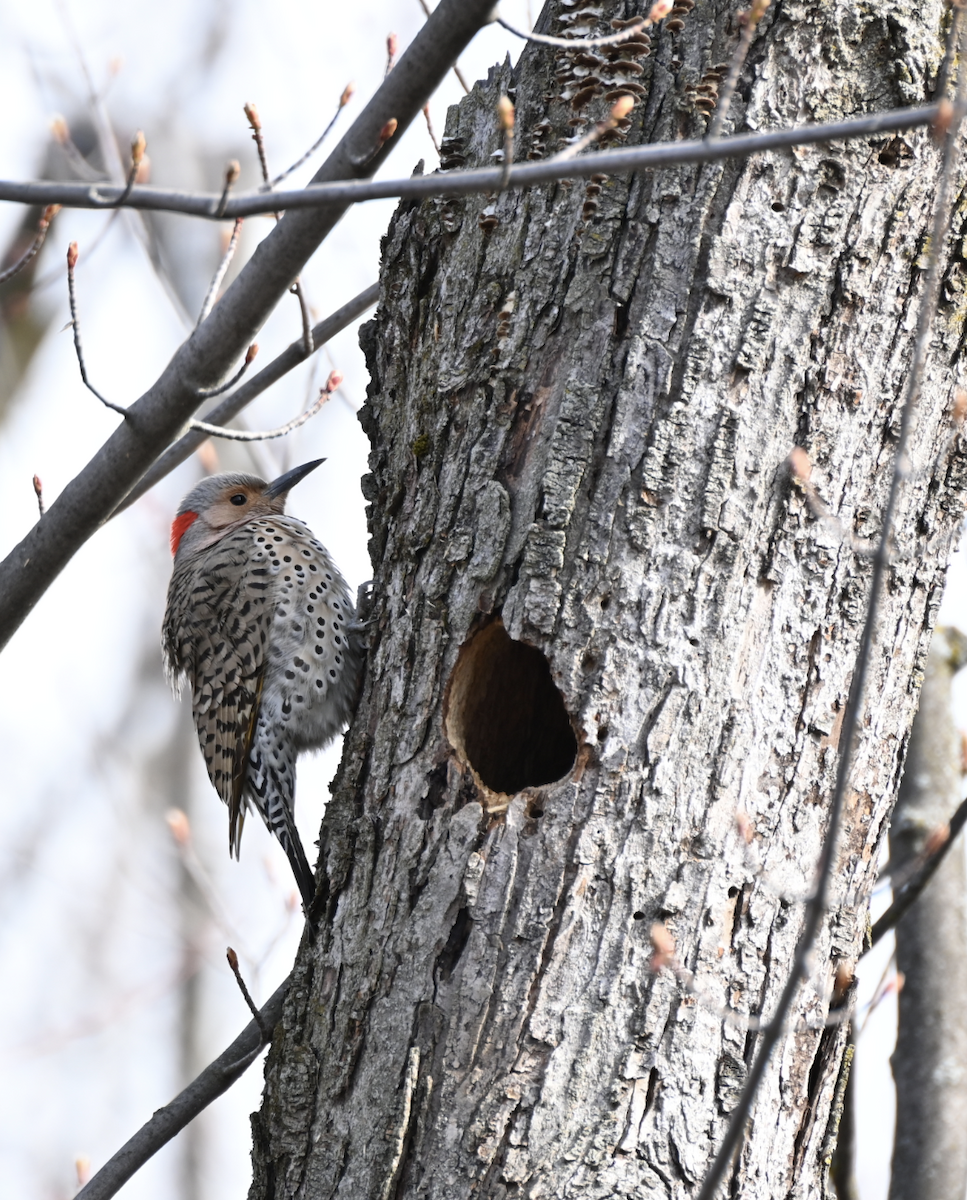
[(284, 483)]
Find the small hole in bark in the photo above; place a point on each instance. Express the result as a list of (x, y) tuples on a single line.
[(777, 207), (603, 733), (504, 715), (638, 916)]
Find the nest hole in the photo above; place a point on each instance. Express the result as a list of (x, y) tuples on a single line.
[(504, 715)]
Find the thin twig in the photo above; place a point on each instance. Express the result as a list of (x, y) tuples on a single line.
[(216, 1078), (137, 158), (880, 992), (290, 358), (53, 275), (815, 910), (211, 393), (180, 830), (367, 154), (904, 897), (264, 435), (296, 289), (347, 94), (39, 493), (750, 21), (611, 39), (800, 468), (264, 1030), (622, 107), (42, 226), (664, 956), (232, 172), (256, 123), (505, 114), (111, 157), (943, 75), (76, 327), (429, 129), (61, 135), (623, 160), (299, 293), (392, 46), (219, 276)]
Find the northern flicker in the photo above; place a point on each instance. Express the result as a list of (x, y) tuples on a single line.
[(260, 623)]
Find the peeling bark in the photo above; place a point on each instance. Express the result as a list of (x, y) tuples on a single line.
[(583, 398)]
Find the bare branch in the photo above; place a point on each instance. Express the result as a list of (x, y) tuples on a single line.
[(232, 172), (42, 226), (296, 289), (219, 276), (256, 123), (299, 293), (906, 895), (611, 39), (429, 129), (138, 145), (76, 328), (211, 393), (53, 276), (111, 156), (264, 435), (619, 112), (61, 135), (815, 910), (664, 956), (161, 413), (233, 405), (39, 493), (750, 21), (346, 191), (347, 94), (887, 983), (800, 469), (216, 1078), (505, 115), (265, 1031)]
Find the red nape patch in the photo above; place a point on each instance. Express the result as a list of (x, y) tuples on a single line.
[(178, 527)]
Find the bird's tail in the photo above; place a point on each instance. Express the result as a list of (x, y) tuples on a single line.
[(271, 791), (304, 877)]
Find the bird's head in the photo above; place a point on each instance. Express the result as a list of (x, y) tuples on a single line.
[(221, 503)]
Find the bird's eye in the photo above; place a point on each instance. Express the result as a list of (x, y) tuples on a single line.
[(239, 498)]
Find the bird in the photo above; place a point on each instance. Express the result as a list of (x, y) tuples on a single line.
[(260, 624)]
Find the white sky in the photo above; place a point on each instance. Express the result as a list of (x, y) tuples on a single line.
[(89, 945)]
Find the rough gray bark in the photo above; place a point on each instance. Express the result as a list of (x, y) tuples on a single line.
[(583, 398), (930, 1060)]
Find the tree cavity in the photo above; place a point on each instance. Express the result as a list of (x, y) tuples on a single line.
[(504, 716)]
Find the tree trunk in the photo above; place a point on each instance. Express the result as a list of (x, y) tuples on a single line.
[(583, 399), (930, 1060)]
